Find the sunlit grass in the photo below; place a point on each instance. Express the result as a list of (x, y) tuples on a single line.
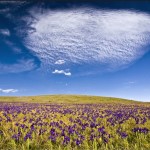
[(73, 123), (66, 99)]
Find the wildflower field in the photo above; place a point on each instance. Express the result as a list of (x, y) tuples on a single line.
[(105, 125)]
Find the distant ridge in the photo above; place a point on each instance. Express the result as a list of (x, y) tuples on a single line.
[(73, 99)]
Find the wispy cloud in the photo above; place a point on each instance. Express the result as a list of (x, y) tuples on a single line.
[(6, 6), (66, 73), (13, 46), (4, 10), (89, 36), (131, 82), (5, 32), (8, 90), (60, 62), (12, 2), (20, 66)]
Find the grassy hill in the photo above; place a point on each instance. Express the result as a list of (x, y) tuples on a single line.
[(66, 99)]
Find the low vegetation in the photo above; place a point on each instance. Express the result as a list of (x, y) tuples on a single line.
[(61, 122)]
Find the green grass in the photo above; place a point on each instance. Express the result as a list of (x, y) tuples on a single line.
[(24, 116), (79, 99)]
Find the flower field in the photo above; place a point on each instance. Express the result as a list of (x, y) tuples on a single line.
[(103, 126)]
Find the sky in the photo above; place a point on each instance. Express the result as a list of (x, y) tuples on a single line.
[(99, 48)]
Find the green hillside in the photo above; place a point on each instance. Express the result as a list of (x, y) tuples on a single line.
[(66, 99)]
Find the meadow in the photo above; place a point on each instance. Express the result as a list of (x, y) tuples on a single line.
[(62, 122)]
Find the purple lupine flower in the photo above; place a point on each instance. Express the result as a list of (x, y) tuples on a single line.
[(92, 137), (63, 133), (53, 135), (57, 124), (135, 129), (144, 130), (8, 119), (74, 126), (66, 140), (29, 120), (144, 120), (140, 130), (61, 122), (52, 131), (123, 134), (70, 130), (92, 125), (70, 119), (41, 131), (83, 127), (16, 137), (109, 136), (52, 138), (17, 124), (82, 137), (23, 126), (101, 130), (28, 136), (78, 142), (137, 120), (32, 127)]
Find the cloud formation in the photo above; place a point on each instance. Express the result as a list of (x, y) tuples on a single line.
[(66, 73), (60, 62), (12, 2), (8, 91), (5, 32), (89, 36), (20, 66)]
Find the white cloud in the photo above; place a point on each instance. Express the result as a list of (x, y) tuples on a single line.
[(6, 6), (60, 62), (11, 2), (5, 32), (66, 73), (8, 91), (89, 36), (20, 66), (131, 82), (4, 10)]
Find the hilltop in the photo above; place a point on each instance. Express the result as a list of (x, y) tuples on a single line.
[(66, 99)]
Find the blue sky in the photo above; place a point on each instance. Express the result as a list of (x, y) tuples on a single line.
[(75, 48)]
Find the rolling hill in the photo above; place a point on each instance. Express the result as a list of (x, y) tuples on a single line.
[(67, 99)]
